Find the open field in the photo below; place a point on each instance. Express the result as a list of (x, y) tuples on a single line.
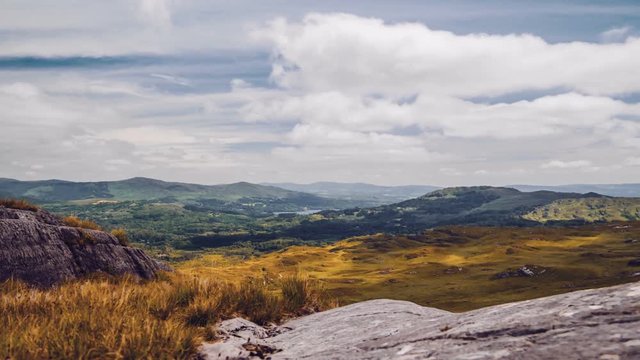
[(452, 268)]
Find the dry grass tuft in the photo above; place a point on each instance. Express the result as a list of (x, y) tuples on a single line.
[(123, 318), (18, 204), (76, 222), (121, 235), (302, 295), (86, 238)]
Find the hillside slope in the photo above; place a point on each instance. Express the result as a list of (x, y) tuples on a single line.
[(478, 205), (371, 195), (587, 209), (621, 190)]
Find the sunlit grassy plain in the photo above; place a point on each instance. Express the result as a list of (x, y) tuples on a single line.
[(450, 268)]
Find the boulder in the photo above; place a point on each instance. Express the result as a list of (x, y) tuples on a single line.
[(37, 248), (588, 324), (523, 271)]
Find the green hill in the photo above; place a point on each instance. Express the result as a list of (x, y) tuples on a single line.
[(371, 195), (618, 190), (600, 209), (478, 205), (250, 196)]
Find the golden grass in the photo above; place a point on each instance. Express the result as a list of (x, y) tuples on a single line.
[(121, 235), (106, 318), (18, 204), (450, 268), (75, 221)]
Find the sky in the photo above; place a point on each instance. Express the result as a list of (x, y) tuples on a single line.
[(385, 92)]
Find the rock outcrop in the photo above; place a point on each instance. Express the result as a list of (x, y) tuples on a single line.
[(590, 324), (37, 248)]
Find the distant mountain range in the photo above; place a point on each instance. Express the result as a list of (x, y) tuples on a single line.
[(191, 215), (383, 195), (237, 196), (371, 194), (315, 194)]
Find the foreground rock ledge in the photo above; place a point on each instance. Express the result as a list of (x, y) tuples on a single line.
[(37, 248), (589, 324)]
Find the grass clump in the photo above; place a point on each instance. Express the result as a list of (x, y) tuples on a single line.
[(86, 238), (76, 222), (18, 204), (121, 235), (302, 295), (123, 318)]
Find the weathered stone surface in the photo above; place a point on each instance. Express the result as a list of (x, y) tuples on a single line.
[(589, 324), (37, 248)]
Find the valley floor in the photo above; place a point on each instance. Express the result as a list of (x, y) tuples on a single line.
[(453, 268)]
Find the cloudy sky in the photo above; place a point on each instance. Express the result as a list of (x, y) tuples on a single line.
[(387, 92)]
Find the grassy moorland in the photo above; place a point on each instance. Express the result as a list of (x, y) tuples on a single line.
[(453, 268), (587, 209), (168, 318)]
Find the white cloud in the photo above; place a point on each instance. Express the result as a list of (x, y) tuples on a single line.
[(148, 135), (20, 89), (559, 164), (616, 34), (157, 12), (172, 79), (364, 55), (632, 161), (118, 162), (351, 99)]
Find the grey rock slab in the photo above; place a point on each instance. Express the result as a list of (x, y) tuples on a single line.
[(590, 324), (36, 248)]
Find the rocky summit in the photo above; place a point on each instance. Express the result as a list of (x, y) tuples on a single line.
[(37, 248), (589, 324)]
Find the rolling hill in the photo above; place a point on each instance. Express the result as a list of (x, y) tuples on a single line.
[(480, 205), (372, 195), (621, 190), (251, 196)]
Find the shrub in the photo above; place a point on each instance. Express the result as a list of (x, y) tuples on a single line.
[(18, 204), (121, 235), (76, 222)]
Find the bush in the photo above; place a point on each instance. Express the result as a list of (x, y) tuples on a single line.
[(76, 222), (18, 204), (121, 235)]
